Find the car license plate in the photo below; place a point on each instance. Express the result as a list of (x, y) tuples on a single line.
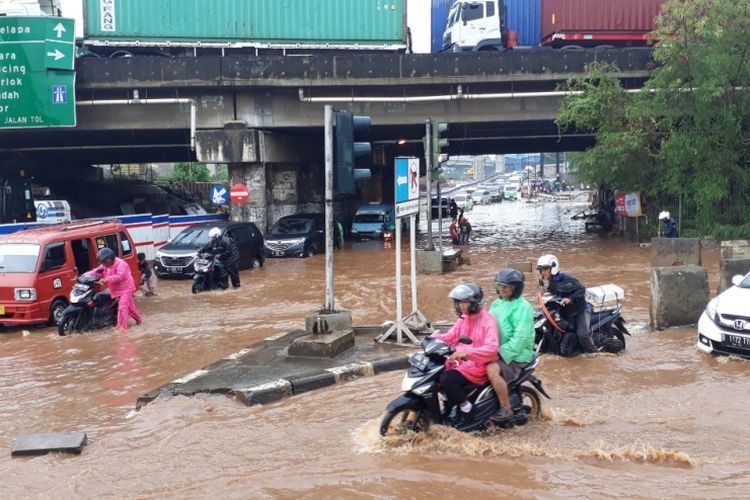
[(278, 254), (736, 341), (2, 310), (175, 269)]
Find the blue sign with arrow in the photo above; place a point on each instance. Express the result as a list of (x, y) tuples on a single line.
[(219, 195)]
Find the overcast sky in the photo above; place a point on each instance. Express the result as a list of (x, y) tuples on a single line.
[(418, 15)]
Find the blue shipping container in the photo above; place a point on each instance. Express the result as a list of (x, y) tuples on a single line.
[(440, 9), (525, 18)]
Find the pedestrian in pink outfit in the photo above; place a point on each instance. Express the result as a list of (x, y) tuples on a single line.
[(116, 273)]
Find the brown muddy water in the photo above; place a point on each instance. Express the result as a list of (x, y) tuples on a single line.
[(660, 420)]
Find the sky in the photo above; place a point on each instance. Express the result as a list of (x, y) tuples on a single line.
[(418, 16)]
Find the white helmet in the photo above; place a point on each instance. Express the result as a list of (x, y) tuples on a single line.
[(664, 215), (549, 260), (214, 232)]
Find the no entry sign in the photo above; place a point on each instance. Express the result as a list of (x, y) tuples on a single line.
[(239, 194)]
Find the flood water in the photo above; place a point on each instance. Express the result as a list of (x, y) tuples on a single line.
[(659, 420)]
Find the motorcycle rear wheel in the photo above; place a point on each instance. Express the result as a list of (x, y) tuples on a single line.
[(402, 421), (531, 402)]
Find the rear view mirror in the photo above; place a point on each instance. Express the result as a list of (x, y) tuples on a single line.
[(737, 279)]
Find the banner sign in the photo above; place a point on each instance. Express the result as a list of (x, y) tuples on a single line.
[(628, 205)]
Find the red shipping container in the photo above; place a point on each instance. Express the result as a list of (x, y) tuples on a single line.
[(603, 21)]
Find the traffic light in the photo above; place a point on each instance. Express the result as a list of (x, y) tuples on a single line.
[(349, 129), (438, 143)]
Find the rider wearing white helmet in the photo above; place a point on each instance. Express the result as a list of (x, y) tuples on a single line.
[(670, 230), (224, 248), (574, 307)]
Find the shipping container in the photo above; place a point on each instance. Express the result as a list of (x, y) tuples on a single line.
[(329, 24), (439, 17), (525, 18), (593, 22)]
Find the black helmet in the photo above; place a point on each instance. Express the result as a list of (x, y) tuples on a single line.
[(467, 291), (105, 254), (510, 277)]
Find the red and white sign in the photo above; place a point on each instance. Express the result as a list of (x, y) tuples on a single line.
[(239, 194)]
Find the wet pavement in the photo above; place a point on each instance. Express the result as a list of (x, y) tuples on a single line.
[(662, 419)]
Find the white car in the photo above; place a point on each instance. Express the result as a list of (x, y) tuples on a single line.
[(510, 192), (464, 201), (481, 197), (724, 327)]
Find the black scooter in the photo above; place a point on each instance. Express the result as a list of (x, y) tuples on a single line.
[(88, 310), (419, 406), (210, 274), (607, 327)]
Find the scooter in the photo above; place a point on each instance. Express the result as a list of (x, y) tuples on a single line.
[(607, 327), (88, 310), (419, 406), (207, 267)]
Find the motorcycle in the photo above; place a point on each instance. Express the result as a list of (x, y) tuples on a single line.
[(419, 406), (607, 327), (209, 274), (88, 310)]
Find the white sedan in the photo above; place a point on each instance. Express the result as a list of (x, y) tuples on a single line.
[(724, 327)]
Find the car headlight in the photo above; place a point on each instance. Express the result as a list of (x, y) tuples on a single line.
[(24, 294), (354, 231), (711, 308)]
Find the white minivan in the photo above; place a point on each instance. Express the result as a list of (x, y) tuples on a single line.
[(464, 201)]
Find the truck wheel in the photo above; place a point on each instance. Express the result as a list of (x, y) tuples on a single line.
[(56, 311)]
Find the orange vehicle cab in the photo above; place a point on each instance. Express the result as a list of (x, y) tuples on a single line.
[(38, 267)]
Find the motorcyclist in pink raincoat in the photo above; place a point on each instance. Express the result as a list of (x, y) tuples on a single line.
[(116, 273)]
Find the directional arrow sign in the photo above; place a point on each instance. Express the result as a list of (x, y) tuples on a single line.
[(60, 55), (401, 180), (59, 29), (406, 203), (56, 54)]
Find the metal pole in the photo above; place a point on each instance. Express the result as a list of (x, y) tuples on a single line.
[(413, 263), (440, 220), (328, 125), (399, 307), (428, 162)]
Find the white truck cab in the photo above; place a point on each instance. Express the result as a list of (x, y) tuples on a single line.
[(30, 8), (474, 26)]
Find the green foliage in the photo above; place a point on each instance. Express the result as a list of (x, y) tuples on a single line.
[(687, 133), (194, 172)]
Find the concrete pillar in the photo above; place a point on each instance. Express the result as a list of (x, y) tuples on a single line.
[(253, 175), (667, 252), (735, 249), (679, 295)]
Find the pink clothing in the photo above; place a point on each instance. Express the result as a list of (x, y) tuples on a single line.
[(481, 328), (125, 309), (119, 278)]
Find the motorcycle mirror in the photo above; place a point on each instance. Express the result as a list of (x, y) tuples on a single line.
[(465, 340)]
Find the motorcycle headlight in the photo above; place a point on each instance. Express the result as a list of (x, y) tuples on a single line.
[(24, 294), (711, 308)]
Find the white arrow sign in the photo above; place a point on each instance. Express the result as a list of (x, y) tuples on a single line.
[(219, 196), (401, 180), (60, 29), (56, 54)]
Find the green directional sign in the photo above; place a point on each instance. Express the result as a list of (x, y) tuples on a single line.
[(37, 81)]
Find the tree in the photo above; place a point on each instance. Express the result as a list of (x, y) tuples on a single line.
[(687, 133), (195, 172)]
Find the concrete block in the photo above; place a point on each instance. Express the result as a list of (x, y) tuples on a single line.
[(345, 373), (679, 295), (728, 268), (735, 249), (338, 321), (311, 381), (264, 393), (390, 364), (322, 346), (524, 267), (429, 262), (666, 252), (40, 444)]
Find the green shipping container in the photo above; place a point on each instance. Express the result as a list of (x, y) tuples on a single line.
[(352, 24)]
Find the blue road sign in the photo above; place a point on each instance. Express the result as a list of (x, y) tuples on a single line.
[(219, 195), (59, 94), (407, 186)]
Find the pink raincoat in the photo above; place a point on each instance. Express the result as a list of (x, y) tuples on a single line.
[(119, 278), (481, 328)]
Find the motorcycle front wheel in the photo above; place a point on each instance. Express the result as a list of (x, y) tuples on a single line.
[(404, 420), (197, 286), (531, 402), (69, 323)]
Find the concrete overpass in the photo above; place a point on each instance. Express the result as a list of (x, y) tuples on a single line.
[(140, 109)]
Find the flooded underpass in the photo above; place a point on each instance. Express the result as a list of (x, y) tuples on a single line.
[(661, 419)]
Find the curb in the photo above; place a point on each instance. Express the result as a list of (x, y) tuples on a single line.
[(281, 388)]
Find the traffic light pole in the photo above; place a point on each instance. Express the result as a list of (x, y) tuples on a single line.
[(428, 163), (328, 126)]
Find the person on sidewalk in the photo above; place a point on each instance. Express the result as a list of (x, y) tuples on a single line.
[(148, 277), (115, 273), (454, 232), (515, 321)]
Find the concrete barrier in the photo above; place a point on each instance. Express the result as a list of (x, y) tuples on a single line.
[(666, 252), (679, 295), (40, 444), (735, 249), (729, 268)]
